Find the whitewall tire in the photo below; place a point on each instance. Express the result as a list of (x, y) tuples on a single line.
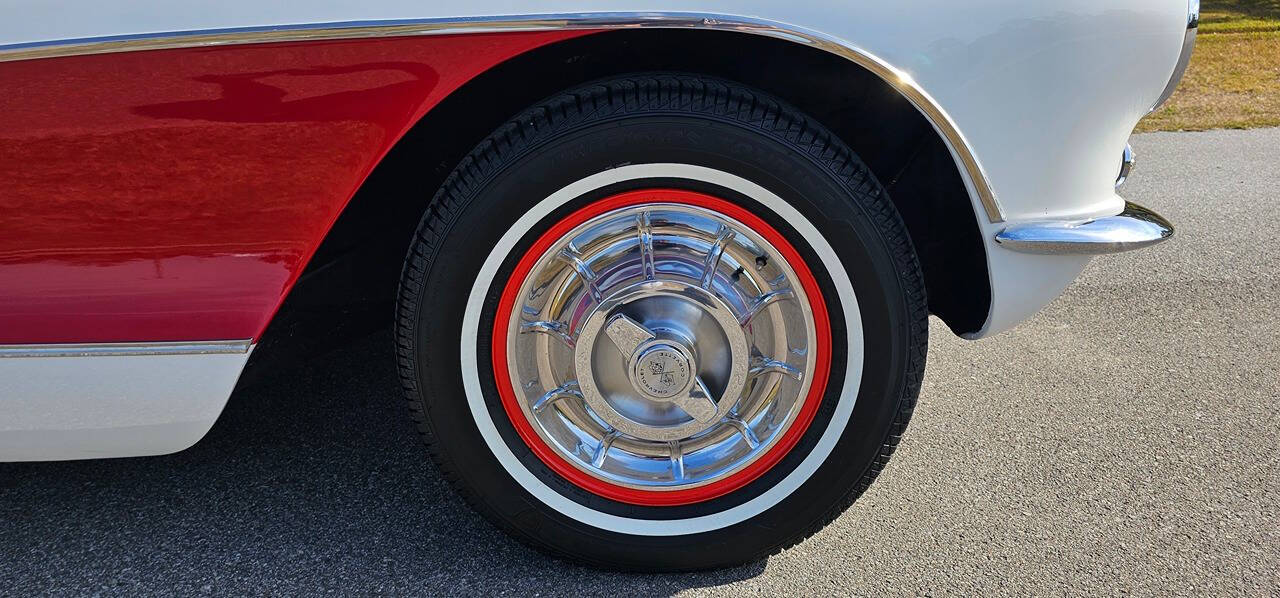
[(661, 322)]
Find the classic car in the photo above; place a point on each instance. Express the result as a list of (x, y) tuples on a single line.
[(659, 274)]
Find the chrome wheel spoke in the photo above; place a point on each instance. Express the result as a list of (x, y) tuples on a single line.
[(602, 451), (559, 330), (677, 460), (712, 262), (764, 301), (567, 390), (745, 431), (584, 271), (645, 230), (773, 366)]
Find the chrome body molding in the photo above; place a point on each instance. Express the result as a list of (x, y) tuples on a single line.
[(900, 80), (1134, 228), (1188, 44), (227, 347)]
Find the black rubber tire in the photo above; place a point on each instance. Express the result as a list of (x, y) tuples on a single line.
[(645, 118)]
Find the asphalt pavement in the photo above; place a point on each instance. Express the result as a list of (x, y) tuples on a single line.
[(1124, 440)]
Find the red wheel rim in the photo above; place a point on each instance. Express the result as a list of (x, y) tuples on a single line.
[(762, 464)]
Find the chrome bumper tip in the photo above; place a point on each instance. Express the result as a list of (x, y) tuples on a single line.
[(1134, 228)]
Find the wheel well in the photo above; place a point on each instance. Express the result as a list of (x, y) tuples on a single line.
[(359, 261)]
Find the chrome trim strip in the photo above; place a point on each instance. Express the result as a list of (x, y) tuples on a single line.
[(1188, 45), (611, 20), (127, 349), (1134, 228)]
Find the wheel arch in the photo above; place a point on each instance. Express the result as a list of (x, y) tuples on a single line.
[(889, 130)]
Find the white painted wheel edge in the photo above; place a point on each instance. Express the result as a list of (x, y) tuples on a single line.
[(645, 527)]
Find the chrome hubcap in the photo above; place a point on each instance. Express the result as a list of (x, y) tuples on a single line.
[(681, 352), (660, 346)]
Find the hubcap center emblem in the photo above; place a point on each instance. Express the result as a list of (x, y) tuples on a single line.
[(661, 371)]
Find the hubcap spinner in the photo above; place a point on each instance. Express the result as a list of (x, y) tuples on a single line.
[(614, 346)]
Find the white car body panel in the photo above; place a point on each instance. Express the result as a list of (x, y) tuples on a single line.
[(91, 405)]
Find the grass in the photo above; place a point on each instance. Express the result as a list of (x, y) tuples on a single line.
[(1233, 81)]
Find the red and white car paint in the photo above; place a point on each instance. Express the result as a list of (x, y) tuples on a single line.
[(168, 170), (155, 227)]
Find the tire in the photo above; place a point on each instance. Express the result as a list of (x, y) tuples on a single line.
[(684, 154)]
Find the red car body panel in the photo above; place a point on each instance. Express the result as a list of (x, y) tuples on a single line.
[(177, 195)]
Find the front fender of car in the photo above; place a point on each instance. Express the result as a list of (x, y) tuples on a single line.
[(1034, 99)]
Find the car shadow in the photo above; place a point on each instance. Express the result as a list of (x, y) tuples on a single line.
[(312, 479)]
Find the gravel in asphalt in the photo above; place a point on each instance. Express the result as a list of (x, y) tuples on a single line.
[(1124, 440)]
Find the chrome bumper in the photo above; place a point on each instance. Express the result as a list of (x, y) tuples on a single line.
[(1134, 228)]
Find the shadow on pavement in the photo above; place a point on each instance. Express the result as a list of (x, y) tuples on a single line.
[(311, 480)]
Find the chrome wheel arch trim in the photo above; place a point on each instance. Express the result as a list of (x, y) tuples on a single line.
[(976, 181), (1188, 46), (127, 349), (652, 527)]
